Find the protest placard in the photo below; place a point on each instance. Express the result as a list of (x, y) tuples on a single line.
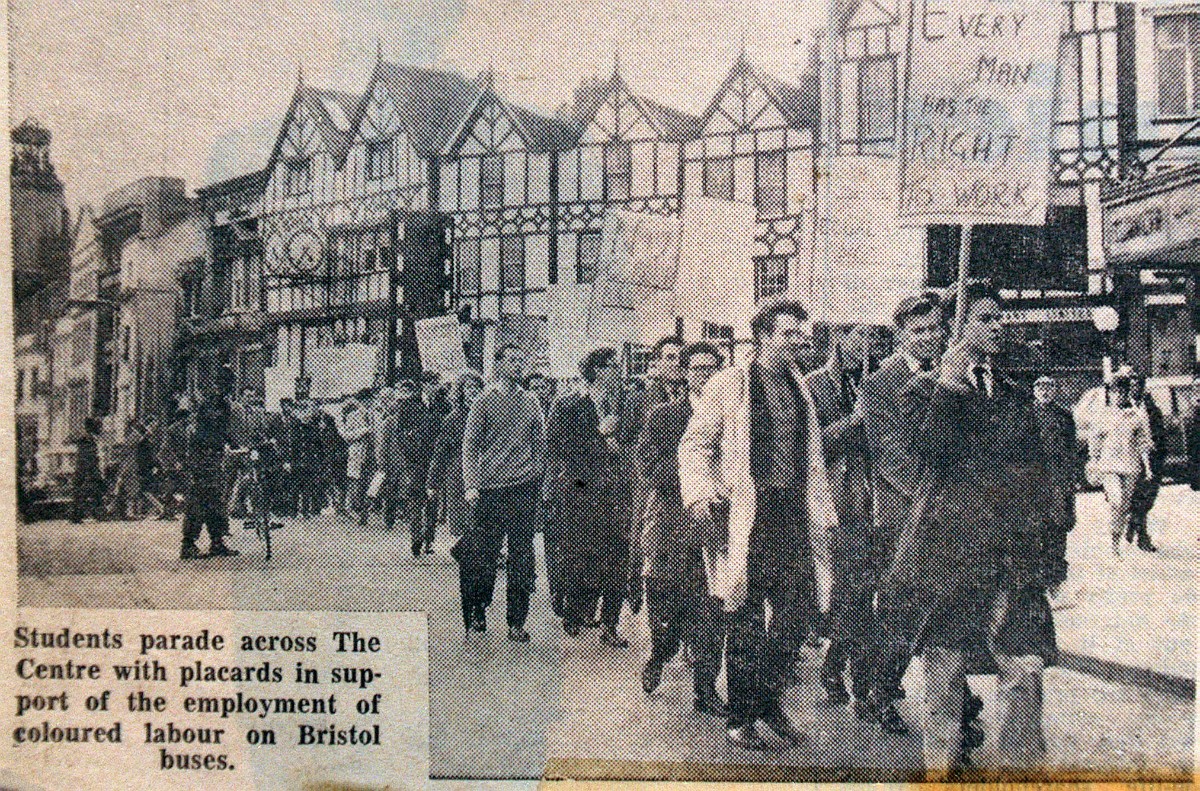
[(866, 263), (440, 344), (716, 264), (978, 111)]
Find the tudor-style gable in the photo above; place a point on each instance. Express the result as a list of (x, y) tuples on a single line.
[(756, 148), (311, 142), (619, 116)]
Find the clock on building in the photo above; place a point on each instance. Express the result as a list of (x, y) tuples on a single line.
[(303, 252)]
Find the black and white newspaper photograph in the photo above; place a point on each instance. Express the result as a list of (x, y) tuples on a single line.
[(466, 394)]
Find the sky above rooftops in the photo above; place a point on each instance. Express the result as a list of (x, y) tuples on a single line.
[(198, 90)]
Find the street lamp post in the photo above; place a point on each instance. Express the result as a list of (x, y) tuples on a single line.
[(1106, 319)]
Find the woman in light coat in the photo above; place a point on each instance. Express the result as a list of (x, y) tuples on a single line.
[(1119, 448)]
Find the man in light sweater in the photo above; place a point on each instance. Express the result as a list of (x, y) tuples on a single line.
[(504, 459)]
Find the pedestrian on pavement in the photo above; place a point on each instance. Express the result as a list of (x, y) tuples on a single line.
[(1057, 429), (667, 559), (356, 430), (337, 462), (1145, 491), (209, 436), (1119, 451), (403, 454), (588, 492), (444, 483), (1192, 437), (87, 494), (752, 475), (969, 564), (172, 461), (835, 390), (503, 460)]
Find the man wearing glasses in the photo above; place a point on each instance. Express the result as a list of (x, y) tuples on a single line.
[(665, 556)]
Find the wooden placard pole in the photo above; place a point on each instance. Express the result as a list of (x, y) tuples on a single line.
[(964, 267)]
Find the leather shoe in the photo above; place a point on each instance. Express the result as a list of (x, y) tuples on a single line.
[(518, 635), (189, 551), (611, 638), (571, 628), (865, 710), (219, 550), (782, 727), (835, 690), (651, 675), (479, 622), (709, 702), (891, 722), (746, 737)]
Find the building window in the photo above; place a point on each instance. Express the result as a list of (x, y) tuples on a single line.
[(770, 276), (618, 170), (491, 181), (468, 266), (1177, 49), (381, 160), (588, 264), (297, 175), (718, 178), (512, 263), (770, 183), (877, 100), (20, 385), (245, 273), (81, 343)]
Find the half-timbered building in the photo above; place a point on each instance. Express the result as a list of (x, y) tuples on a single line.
[(353, 249), (498, 189), (756, 147)]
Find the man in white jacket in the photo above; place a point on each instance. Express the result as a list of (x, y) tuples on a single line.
[(752, 476)]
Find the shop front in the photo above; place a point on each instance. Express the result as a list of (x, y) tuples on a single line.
[(1152, 243)]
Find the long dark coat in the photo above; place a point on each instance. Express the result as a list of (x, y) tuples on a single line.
[(405, 445), (969, 564), (854, 555), (665, 548), (446, 469), (588, 484)]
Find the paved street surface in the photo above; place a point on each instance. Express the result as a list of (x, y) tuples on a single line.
[(498, 708)]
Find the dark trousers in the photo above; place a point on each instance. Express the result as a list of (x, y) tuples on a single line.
[(310, 492), (87, 498), (1145, 494), (580, 606), (205, 507), (552, 542), (677, 613), (779, 571), (499, 513), (423, 522)]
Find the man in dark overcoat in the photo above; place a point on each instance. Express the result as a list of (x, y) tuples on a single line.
[(588, 491), (667, 559), (1057, 430), (969, 564), (835, 390), (407, 437)]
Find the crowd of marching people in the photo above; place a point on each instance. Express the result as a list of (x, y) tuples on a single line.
[(905, 498)]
